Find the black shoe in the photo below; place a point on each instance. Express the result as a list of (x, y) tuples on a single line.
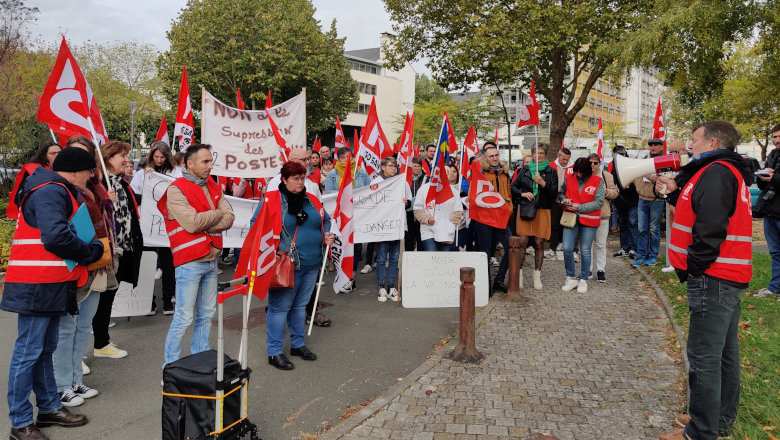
[(29, 432), (303, 353), (281, 362), (500, 287), (632, 255), (621, 253), (168, 309), (351, 286), (61, 417), (600, 277), (154, 309)]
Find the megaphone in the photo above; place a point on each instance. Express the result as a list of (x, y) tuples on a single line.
[(626, 169)]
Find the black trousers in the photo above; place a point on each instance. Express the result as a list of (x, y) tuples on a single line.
[(556, 230), (165, 258), (412, 237), (103, 313)]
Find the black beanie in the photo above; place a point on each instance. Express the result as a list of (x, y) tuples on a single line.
[(73, 159)]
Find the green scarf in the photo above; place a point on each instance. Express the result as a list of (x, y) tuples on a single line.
[(541, 166)]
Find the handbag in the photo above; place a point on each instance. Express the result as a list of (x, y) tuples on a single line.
[(568, 219), (527, 209), (283, 270)]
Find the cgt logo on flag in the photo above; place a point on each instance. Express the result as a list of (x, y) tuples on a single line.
[(487, 197), (374, 187)]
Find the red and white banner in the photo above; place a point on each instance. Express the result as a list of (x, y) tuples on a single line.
[(340, 141), (343, 248), (373, 144), (659, 129), (162, 132), (600, 148), (184, 130), (530, 114), (485, 204)]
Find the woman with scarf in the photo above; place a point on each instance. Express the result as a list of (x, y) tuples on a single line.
[(437, 227), (388, 250), (74, 332), (305, 233), (129, 244), (161, 161), (536, 184)]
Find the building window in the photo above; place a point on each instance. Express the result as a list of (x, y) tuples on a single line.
[(362, 109), (354, 65), (368, 89)]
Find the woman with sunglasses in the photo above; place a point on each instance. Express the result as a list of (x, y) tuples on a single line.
[(611, 193)]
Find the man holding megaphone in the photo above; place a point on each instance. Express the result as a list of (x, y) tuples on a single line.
[(710, 248)]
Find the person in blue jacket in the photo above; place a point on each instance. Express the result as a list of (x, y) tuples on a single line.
[(40, 288)]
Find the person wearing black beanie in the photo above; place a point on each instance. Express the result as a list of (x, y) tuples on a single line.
[(74, 165)]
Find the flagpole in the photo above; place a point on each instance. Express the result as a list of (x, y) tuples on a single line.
[(100, 154), (463, 155), (52, 136), (319, 286)]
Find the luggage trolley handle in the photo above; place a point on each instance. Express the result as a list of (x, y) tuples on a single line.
[(221, 297)]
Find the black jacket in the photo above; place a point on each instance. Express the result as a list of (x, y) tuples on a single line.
[(524, 183), (769, 201), (714, 201), (138, 240)]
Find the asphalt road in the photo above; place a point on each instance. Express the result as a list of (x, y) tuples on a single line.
[(367, 349)]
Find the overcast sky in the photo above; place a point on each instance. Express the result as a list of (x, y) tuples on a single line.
[(361, 21)]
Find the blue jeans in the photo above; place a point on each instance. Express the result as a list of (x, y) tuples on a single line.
[(431, 245), (649, 221), (586, 234), (289, 306), (73, 339), (713, 351), (486, 234), (627, 221), (385, 250), (772, 234), (32, 369), (196, 294)]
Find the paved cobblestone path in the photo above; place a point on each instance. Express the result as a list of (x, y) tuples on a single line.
[(577, 366)]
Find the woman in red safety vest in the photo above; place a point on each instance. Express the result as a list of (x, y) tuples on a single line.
[(582, 193), (43, 158)]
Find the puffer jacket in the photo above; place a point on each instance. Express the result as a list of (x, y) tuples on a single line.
[(502, 180)]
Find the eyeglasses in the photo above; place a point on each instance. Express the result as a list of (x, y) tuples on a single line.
[(492, 156), (92, 171), (595, 163), (391, 166)]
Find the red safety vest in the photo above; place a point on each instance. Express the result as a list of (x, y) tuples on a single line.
[(12, 211), (593, 218), (30, 263), (734, 260), (187, 247)]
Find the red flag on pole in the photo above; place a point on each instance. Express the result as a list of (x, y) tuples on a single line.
[(259, 250), (239, 101), (600, 149), (343, 248), (373, 144), (530, 114), (339, 136), (485, 204), (162, 132), (284, 150), (268, 102), (440, 190), (317, 144), (451, 141), (406, 148), (495, 139), (470, 145), (659, 129), (185, 125), (355, 142)]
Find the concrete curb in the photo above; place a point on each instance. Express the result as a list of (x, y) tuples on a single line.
[(380, 401), (670, 314)]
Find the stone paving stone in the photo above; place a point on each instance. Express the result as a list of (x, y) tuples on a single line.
[(577, 366)]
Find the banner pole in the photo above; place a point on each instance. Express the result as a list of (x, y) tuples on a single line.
[(319, 286), (100, 154), (53, 137)]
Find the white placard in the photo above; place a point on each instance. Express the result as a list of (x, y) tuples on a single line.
[(432, 279), (242, 141), (153, 226), (380, 214), (138, 301)]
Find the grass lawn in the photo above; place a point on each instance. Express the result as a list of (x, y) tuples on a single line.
[(759, 335)]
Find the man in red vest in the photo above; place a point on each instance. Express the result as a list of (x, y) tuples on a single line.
[(40, 288), (710, 248), (195, 214)]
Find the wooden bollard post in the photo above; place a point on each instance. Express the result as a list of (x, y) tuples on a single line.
[(466, 351), (513, 274)]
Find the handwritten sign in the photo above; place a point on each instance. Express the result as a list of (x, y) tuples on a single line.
[(138, 301), (153, 225), (379, 210), (242, 141), (432, 279)]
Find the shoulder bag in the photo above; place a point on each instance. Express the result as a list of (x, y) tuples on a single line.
[(568, 219), (283, 270)]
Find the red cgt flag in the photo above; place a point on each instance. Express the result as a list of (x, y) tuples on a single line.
[(600, 148), (317, 144), (659, 129), (239, 101), (451, 141), (268, 102), (340, 141), (530, 114), (373, 144), (184, 129), (258, 254), (343, 248), (485, 204), (162, 132), (284, 150)]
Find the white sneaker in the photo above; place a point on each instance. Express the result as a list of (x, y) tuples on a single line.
[(158, 274), (393, 295), (111, 324), (570, 284), (84, 391), (382, 295), (550, 255), (582, 287), (84, 369), (110, 351), (764, 293), (366, 269), (70, 399), (576, 257), (530, 251)]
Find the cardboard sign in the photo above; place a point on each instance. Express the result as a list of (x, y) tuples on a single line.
[(138, 301), (432, 279)]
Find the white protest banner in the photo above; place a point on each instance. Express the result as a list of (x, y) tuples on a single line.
[(138, 301), (153, 226), (242, 141), (379, 211), (432, 279)]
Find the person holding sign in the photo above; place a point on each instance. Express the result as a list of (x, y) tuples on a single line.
[(304, 239), (582, 193), (437, 228), (38, 286)]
